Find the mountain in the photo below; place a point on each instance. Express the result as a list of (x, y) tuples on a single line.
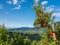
[(32, 28), (57, 24), (23, 28)]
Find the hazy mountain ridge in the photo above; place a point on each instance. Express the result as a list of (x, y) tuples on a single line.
[(23, 28), (30, 28)]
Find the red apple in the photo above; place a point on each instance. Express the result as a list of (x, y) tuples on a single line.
[(45, 15), (51, 34), (44, 25), (41, 21)]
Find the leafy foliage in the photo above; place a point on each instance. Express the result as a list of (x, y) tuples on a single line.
[(18, 39)]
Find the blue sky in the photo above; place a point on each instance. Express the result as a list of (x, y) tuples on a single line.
[(19, 13)]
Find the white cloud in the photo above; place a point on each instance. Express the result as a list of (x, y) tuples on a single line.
[(57, 14), (56, 10), (9, 2), (15, 2), (50, 8), (17, 7), (44, 2), (1, 6), (12, 2), (18, 3)]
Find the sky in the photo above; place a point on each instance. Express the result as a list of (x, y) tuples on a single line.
[(19, 13)]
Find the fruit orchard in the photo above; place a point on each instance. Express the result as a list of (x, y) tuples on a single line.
[(43, 19)]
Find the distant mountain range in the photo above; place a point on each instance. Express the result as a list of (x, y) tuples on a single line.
[(30, 28), (23, 28), (57, 23)]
